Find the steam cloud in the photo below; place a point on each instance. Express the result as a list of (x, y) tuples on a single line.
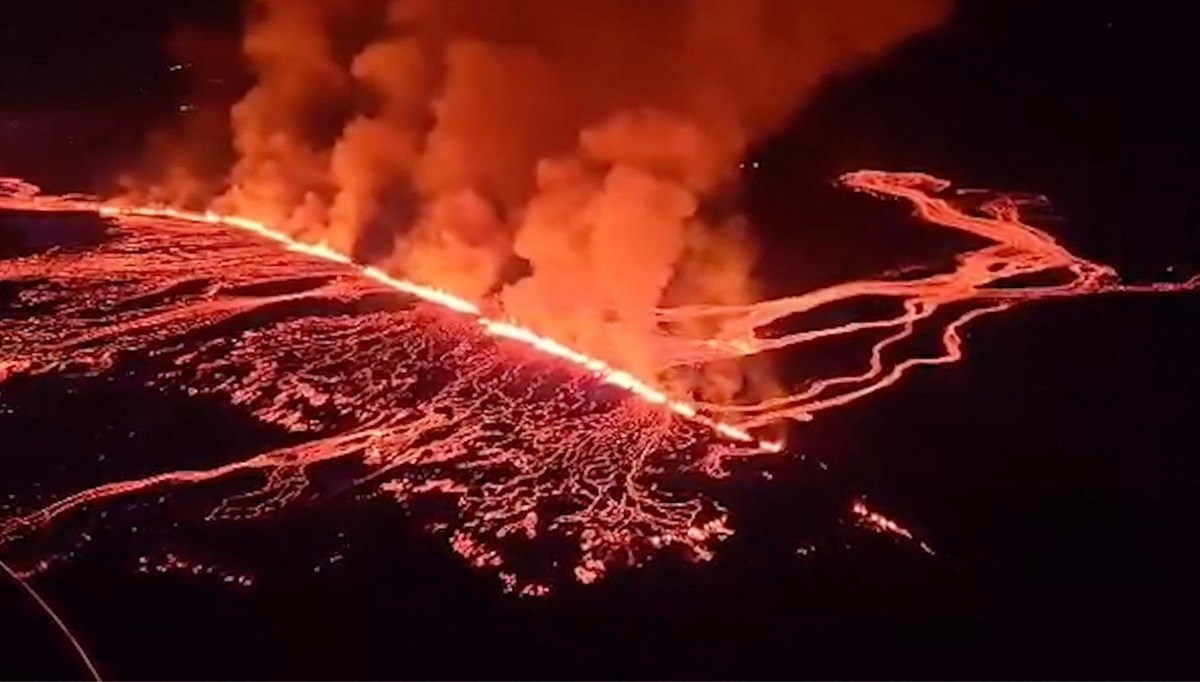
[(561, 159)]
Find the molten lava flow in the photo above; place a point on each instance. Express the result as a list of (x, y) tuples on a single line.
[(981, 283), (533, 441), (872, 520)]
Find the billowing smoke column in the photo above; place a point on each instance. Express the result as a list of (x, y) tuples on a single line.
[(560, 159)]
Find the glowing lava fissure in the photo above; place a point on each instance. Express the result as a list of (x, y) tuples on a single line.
[(526, 447), (422, 402), (25, 196)]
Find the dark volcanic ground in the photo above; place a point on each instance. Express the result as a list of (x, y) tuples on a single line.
[(1050, 470)]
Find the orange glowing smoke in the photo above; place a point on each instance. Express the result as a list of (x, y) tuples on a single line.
[(458, 142)]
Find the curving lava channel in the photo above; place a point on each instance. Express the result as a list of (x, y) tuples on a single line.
[(987, 280), (545, 456)]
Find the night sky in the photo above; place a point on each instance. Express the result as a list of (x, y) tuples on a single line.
[(1051, 469)]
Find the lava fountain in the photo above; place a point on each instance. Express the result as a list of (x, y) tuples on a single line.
[(545, 456)]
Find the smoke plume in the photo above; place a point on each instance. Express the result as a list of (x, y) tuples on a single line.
[(563, 160)]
